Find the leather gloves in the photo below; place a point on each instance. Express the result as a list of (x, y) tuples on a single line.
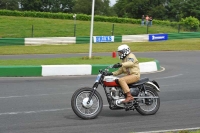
[(117, 65)]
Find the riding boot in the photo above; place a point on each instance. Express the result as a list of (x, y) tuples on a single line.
[(129, 98)]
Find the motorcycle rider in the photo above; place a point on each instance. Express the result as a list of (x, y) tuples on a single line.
[(128, 66)]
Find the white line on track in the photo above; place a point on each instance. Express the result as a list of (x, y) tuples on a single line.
[(172, 130), (32, 95), (32, 112), (174, 76), (181, 84), (37, 111)]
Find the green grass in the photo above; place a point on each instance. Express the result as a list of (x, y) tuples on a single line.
[(183, 131), (170, 45), (186, 131), (21, 27), (66, 61)]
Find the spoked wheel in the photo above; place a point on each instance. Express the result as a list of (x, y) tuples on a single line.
[(148, 106), (82, 108)]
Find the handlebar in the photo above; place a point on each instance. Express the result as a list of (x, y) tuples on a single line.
[(105, 70), (111, 66)]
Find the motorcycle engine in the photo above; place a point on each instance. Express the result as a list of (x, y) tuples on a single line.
[(134, 91), (117, 96), (114, 93)]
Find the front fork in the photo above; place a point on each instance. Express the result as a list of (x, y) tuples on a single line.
[(95, 86), (107, 95)]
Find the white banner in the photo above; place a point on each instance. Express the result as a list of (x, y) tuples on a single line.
[(50, 40), (135, 38)]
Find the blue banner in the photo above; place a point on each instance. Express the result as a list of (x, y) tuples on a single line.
[(98, 39), (158, 37)]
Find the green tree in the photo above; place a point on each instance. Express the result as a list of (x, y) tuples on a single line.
[(191, 8), (47, 5), (174, 10), (160, 9), (31, 5), (132, 9), (61, 5), (67, 5), (56, 6), (82, 6), (158, 12), (9, 4), (190, 23), (85, 7)]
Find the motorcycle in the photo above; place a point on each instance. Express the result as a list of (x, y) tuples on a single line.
[(87, 103)]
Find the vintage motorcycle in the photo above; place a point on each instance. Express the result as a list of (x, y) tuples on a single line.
[(87, 103)]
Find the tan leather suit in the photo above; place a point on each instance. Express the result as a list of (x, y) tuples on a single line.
[(130, 67)]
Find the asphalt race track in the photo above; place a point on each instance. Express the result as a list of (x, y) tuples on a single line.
[(42, 104)]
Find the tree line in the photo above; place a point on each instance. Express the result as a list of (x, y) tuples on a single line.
[(172, 10)]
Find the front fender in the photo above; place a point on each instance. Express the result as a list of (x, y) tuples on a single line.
[(151, 83)]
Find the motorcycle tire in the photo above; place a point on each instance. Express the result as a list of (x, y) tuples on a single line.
[(80, 106), (152, 104)]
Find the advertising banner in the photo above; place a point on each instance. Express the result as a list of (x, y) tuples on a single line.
[(99, 39), (158, 37)]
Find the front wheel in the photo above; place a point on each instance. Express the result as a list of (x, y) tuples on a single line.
[(148, 106), (83, 109)]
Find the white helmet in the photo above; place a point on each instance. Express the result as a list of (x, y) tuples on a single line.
[(124, 50)]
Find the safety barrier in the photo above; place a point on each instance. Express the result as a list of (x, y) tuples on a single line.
[(66, 70), (50, 40), (184, 35), (135, 38), (11, 41), (97, 39)]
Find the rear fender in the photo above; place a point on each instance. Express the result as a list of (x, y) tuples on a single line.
[(155, 86)]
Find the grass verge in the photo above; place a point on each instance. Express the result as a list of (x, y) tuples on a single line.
[(170, 45), (66, 61), (21, 27)]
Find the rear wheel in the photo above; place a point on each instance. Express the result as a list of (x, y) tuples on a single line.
[(83, 109), (148, 106)]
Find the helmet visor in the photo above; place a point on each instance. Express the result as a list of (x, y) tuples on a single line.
[(119, 53)]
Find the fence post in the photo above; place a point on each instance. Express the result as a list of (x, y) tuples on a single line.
[(32, 31), (178, 28), (112, 30), (147, 28), (74, 16)]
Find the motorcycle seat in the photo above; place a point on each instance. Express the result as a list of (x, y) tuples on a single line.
[(141, 81)]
